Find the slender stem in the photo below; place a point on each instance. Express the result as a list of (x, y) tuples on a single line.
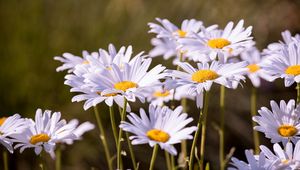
[(167, 155), (298, 93), (58, 158), (154, 154), (5, 159), (41, 163), (103, 138), (183, 143), (203, 130), (123, 114), (222, 122), (113, 124), (253, 101), (192, 153), (172, 162), (131, 152)]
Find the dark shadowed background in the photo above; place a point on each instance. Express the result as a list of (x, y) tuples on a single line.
[(33, 32)]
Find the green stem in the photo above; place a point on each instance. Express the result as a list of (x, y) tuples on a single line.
[(154, 154), (123, 114), (203, 130), (298, 93), (103, 138), (183, 143), (192, 153), (131, 152), (172, 162), (5, 159), (41, 163), (222, 123), (113, 124), (253, 101), (58, 158), (167, 155)]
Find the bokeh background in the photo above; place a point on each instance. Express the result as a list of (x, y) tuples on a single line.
[(34, 31)]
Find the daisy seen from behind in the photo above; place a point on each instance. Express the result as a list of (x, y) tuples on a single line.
[(281, 124)]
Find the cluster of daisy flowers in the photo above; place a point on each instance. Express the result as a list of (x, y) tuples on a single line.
[(204, 56), (45, 132)]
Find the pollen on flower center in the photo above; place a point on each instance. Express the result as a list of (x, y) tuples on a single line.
[(39, 138), (158, 135), (293, 70), (287, 130), (164, 93), (218, 43), (2, 120), (85, 62), (285, 161), (253, 68), (181, 33), (204, 75), (124, 85)]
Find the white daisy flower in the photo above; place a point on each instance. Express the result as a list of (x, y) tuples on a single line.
[(254, 162), (78, 130), (129, 83), (287, 158), (220, 43), (10, 126), (282, 124), (255, 60), (286, 64), (70, 61), (275, 48), (164, 127), (44, 133), (171, 31), (202, 78), (159, 95), (163, 47)]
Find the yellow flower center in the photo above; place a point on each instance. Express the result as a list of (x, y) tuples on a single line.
[(158, 135), (2, 120), (39, 138), (253, 68), (204, 75), (164, 93), (181, 33), (287, 130), (85, 62), (285, 161), (293, 70), (124, 85), (218, 43), (107, 95)]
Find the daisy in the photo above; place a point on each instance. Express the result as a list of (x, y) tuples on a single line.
[(163, 47), (287, 158), (254, 162), (196, 80), (10, 126), (164, 127), (44, 133), (79, 130), (129, 82), (220, 43), (286, 64), (255, 60), (171, 31), (281, 124), (287, 37)]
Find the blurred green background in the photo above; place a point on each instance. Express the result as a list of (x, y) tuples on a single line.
[(33, 32)]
